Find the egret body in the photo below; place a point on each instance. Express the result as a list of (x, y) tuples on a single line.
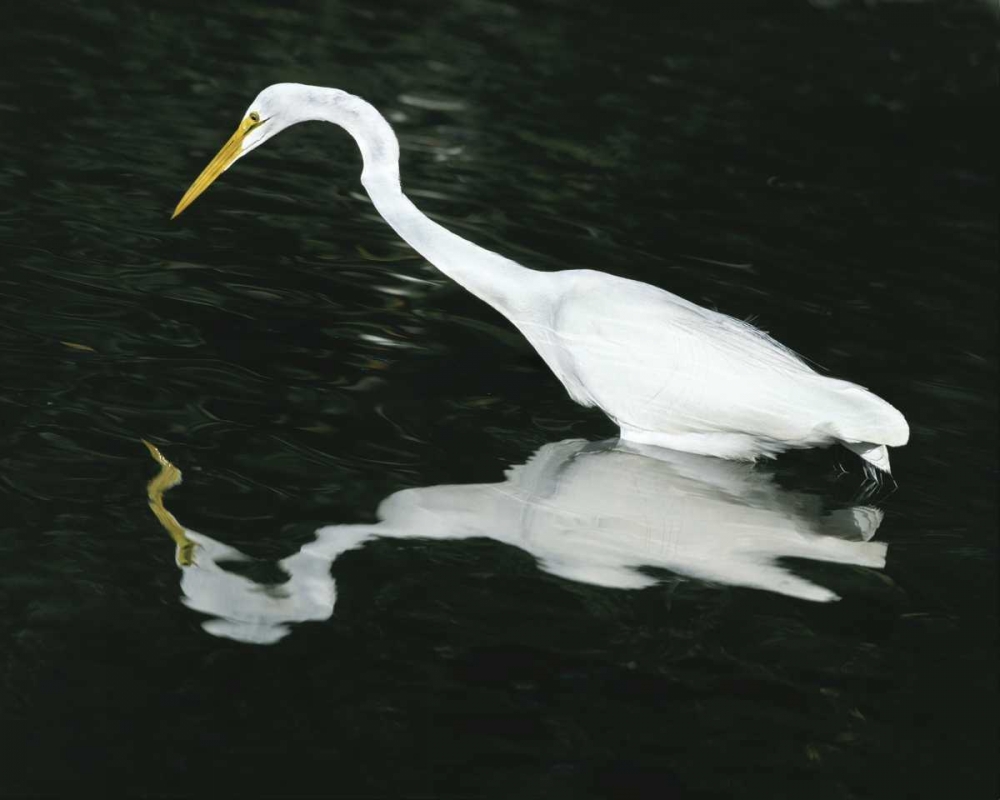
[(668, 372)]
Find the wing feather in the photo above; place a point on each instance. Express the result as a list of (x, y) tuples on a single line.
[(654, 361)]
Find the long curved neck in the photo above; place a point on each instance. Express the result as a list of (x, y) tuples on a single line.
[(507, 286)]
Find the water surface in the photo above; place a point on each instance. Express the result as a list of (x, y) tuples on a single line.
[(401, 561)]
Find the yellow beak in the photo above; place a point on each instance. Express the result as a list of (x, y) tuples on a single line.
[(223, 160)]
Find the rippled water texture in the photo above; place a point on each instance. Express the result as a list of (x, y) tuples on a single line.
[(401, 561)]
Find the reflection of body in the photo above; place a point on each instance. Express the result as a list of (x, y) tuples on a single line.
[(590, 513)]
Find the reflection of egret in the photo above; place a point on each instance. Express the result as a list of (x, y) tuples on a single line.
[(594, 513), (668, 372), (241, 608)]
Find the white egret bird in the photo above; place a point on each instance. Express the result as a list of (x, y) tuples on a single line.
[(666, 371)]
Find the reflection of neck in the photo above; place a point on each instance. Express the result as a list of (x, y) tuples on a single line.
[(507, 286), (593, 513)]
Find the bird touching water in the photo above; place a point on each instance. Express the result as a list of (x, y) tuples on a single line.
[(668, 372)]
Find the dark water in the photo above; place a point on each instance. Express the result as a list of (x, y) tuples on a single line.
[(827, 168)]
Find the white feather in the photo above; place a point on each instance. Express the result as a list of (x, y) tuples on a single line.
[(669, 372)]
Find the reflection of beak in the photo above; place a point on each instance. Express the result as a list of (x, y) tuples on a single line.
[(169, 477), (223, 160)]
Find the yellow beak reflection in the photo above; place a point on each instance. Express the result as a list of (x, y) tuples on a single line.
[(224, 158)]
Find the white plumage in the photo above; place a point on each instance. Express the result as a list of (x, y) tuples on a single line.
[(668, 372), (603, 514)]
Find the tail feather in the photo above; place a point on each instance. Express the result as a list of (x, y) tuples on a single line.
[(867, 420), (868, 426), (875, 454)]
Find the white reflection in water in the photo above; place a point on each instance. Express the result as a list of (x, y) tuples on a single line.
[(595, 513)]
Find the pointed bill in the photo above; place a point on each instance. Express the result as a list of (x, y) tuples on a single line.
[(223, 160)]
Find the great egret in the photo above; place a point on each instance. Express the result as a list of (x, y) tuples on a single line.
[(666, 371), (595, 513)]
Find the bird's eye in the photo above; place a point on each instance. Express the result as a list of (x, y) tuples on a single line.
[(254, 117)]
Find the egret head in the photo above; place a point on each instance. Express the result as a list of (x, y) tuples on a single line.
[(273, 110)]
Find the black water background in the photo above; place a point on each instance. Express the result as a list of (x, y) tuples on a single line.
[(844, 153)]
